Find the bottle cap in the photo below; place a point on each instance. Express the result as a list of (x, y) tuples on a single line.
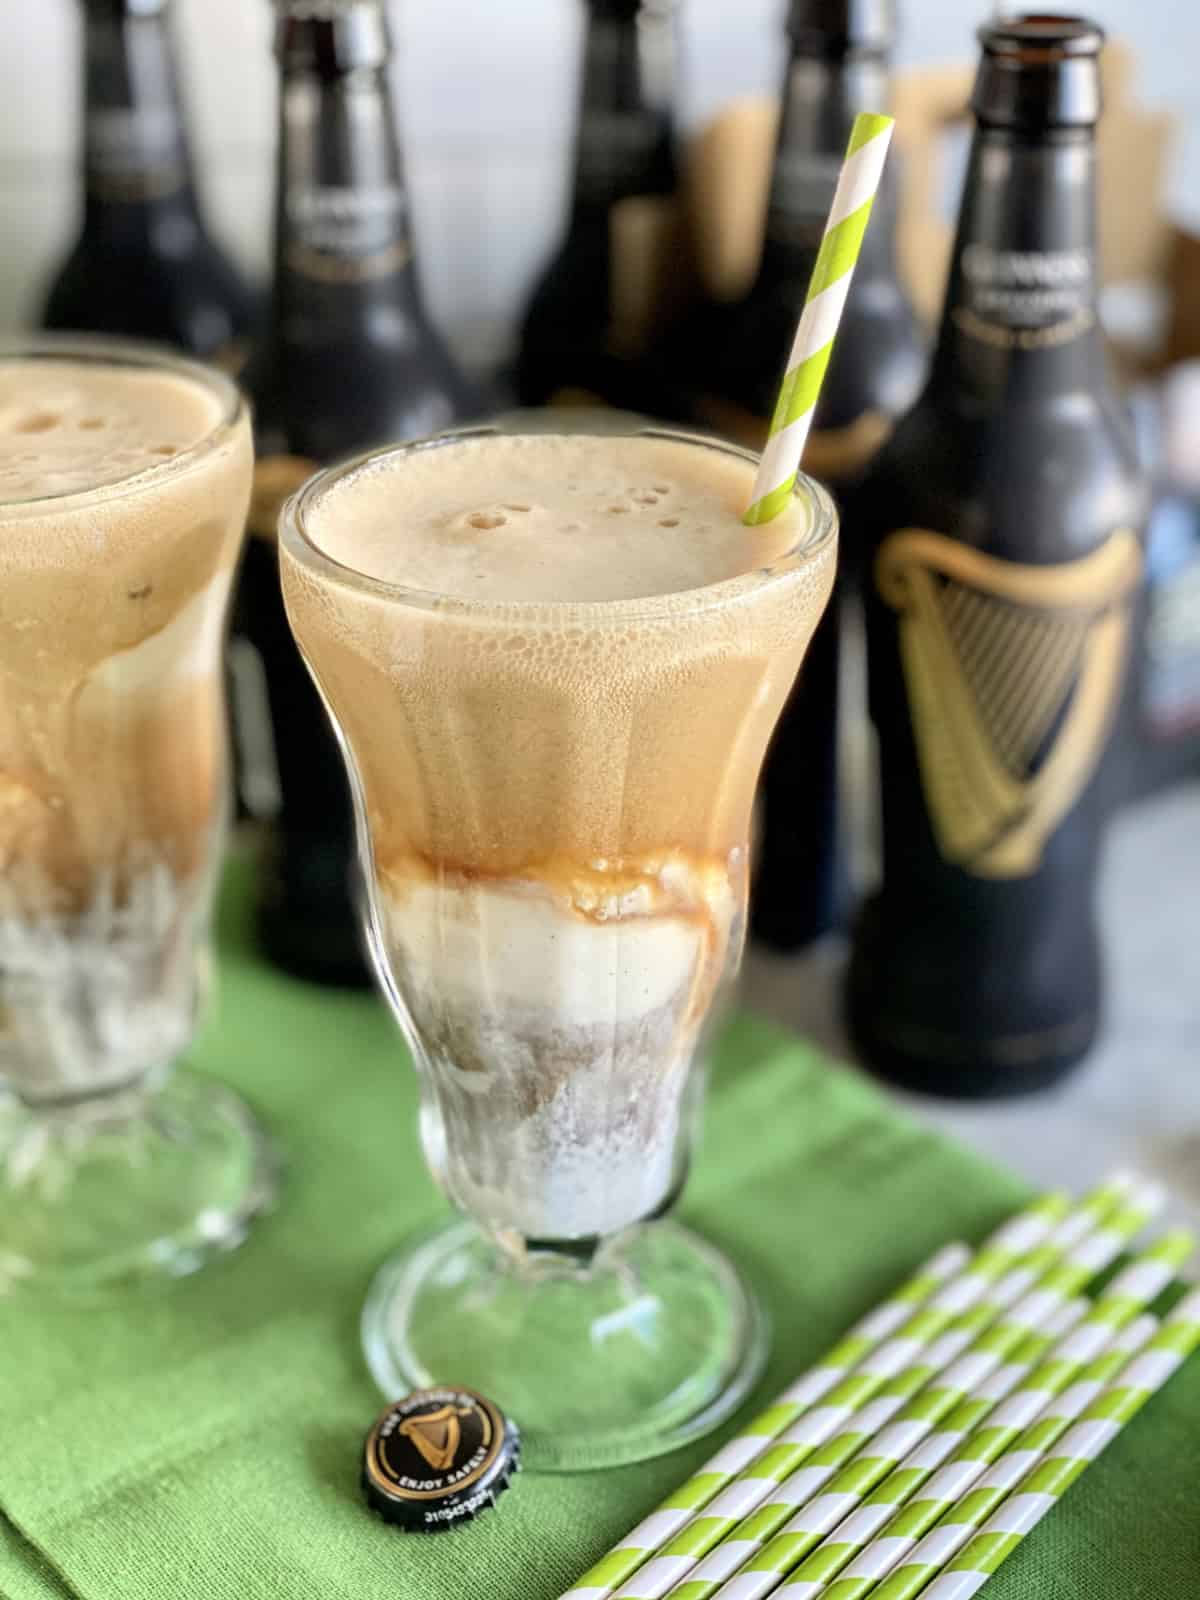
[(438, 1458), (842, 27), (1039, 73), (331, 37)]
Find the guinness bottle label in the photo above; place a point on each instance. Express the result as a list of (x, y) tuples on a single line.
[(1013, 675), (437, 1458), (347, 233), (1026, 299), (134, 153)]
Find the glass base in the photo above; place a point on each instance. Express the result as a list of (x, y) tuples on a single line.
[(137, 1185), (652, 1344)]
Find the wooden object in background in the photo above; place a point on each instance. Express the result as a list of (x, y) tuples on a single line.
[(727, 168), (729, 160), (1183, 274)]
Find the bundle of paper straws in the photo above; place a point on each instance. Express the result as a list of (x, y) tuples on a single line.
[(915, 1457)]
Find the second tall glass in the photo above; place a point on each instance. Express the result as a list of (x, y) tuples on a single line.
[(554, 801), (124, 480)]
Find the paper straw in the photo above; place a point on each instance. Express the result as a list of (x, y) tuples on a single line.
[(847, 1377), (854, 1347), (1041, 1487), (763, 1547), (998, 1275), (869, 1542), (823, 306), (736, 1511), (916, 1569)]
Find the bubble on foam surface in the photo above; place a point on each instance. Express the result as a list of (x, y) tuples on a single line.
[(68, 427)]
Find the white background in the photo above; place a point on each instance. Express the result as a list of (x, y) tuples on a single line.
[(486, 95)]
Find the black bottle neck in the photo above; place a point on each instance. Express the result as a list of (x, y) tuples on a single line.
[(823, 92), (344, 268), (136, 164), (1020, 315), (623, 141)]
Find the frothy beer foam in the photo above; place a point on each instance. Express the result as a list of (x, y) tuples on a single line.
[(558, 793), (68, 427), (558, 518)]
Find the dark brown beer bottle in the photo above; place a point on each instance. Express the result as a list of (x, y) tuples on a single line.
[(144, 263), (349, 360), (585, 323), (1003, 521), (838, 66)]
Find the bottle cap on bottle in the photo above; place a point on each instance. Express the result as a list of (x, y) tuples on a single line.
[(838, 27), (125, 8), (438, 1458), (1039, 73), (331, 36)]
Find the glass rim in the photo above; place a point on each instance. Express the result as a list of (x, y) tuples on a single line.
[(296, 540), (101, 350)]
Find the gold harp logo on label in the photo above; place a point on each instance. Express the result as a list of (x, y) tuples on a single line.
[(436, 1435), (1013, 676)]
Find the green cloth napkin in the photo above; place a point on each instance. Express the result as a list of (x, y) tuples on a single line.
[(201, 1442)]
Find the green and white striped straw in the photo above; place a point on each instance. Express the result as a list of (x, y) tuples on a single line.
[(857, 1345), (823, 306), (1002, 1271), (779, 1428), (1032, 1349), (797, 1532), (764, 1546), (1041, 1487), (869, 1542), (915, 1570)]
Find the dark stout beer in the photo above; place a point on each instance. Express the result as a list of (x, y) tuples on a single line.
[(144, 263), (350, 359), (1003, 520)]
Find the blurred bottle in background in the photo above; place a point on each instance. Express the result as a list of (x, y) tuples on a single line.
[(1166, 701), (731, 358), (610, 280), (1002, 523), (349, 359), (144, 263)]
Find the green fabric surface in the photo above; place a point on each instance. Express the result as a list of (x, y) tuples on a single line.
[(202, 1441)]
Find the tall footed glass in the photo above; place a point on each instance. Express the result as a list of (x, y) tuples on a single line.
[(124, 481), (554, 752)]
